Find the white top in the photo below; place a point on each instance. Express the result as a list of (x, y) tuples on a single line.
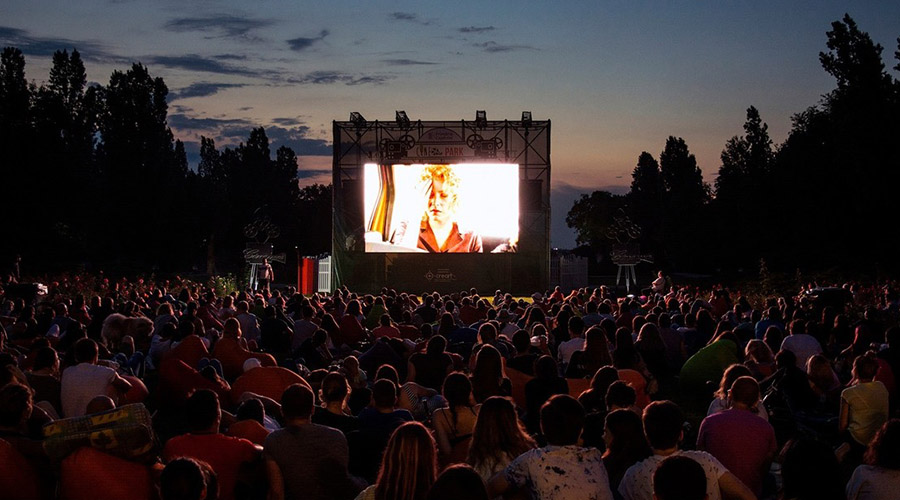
[(803, 346), (873, 483), (637, 484), (564, 472), (568, 347), (82, 383)]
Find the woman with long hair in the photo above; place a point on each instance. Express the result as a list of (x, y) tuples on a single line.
[(546, 383), (352, 330), (595, 355), (652, 349), (487, 376), (879, 476), (453, 425), (408, 467), (498, 438), (594, 398), (758, 357), (626, 445), (722, 402), (626, 356)]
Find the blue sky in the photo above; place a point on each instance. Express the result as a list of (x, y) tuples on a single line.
[(615, 78)]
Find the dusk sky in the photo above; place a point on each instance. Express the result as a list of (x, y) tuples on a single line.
[(615, 78)]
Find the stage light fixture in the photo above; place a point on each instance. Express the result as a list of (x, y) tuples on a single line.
[(481, 118), (357, 119), (402, 118), (526, 118)]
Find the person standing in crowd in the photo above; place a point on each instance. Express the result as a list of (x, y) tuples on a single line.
[(266, 275)]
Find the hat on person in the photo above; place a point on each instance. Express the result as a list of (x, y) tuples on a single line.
[(537, 296)]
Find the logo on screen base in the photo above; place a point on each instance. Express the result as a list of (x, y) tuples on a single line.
[(440, 276)]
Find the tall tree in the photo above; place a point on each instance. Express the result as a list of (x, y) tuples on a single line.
[(15, 147), (686, 196), (646, 199), (742, 192), (841, 160)]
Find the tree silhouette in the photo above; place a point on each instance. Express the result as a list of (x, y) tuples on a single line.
[(646, 201)]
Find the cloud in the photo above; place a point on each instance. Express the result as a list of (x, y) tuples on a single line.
[(409, 17), (287, 121), (230, 57), (402, 16), (220, 26), (201, 89), (231, 131), (194, 62), (296, 139), (301, 44), (476, 29), (493, 47), (307, 174), (330, 77), (406, 62), (218, 128), (45, 47)]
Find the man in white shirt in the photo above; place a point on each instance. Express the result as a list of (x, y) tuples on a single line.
[(86, 380), (575, 342), (803, 345), (663, 427)]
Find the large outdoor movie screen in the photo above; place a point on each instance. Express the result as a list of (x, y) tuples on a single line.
[(442, 208)]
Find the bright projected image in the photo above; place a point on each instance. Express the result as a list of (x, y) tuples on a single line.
[(442, 208)]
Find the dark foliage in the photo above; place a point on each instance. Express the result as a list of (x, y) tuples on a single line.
[(823, 199), (93, 176)]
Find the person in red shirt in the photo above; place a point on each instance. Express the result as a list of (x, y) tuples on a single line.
[(234, 460), (386, 329)]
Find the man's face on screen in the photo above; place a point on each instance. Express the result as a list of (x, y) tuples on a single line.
[(440, 203)]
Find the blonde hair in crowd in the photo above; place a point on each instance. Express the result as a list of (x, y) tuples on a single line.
[(409, 466)]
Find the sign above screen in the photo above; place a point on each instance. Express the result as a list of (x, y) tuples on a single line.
[(441, 208)]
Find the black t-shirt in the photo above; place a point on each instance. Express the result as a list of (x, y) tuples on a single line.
[(343, 423), (523, 363), (427, 313), (431, 370)]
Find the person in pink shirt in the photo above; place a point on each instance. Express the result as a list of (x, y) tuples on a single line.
[(738, 438)]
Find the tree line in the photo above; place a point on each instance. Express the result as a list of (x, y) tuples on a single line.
[(825, 198), (93, 176)]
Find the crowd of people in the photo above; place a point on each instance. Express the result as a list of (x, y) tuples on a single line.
[(136, 390)]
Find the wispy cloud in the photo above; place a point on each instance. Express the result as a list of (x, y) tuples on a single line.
[(309, 174), (301, 43), (409, 17), (230, 57), (287, 122), (201, 89), (330, 77), (476, 29), (406, 62), (45, 46), (493, 47), (194, 62), (219, 26)]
